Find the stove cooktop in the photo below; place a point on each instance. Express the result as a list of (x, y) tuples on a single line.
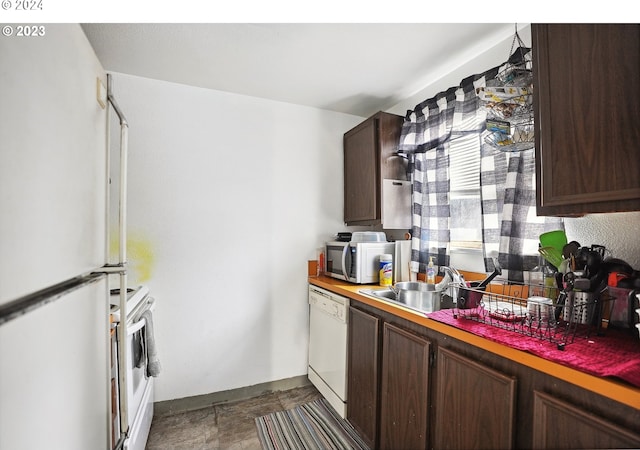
[(117, 291), (134, 297)]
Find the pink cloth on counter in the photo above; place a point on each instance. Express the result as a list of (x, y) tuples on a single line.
[(614, 354)]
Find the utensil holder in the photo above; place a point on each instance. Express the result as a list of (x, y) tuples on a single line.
[(579, 307)]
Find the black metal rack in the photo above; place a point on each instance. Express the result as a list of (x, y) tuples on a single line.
[(538, 311)]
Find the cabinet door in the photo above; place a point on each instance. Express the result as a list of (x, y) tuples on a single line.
[(560, 425), (392, 166), (404, 398), (586, 91), (361, 174), (363, 374), (370, 155), (475, 405)]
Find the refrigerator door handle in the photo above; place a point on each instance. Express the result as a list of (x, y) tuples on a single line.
[(28, 303), (122, 256), (124, 150)]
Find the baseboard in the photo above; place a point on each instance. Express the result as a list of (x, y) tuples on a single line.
[(169, 407)]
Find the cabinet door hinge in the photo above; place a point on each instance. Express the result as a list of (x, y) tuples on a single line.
[(432, 358)]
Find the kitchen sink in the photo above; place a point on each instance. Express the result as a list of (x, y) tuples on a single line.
[(386, 294), (421, 301)]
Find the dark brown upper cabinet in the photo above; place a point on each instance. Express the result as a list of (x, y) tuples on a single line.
[(376, 190), (587, 117)]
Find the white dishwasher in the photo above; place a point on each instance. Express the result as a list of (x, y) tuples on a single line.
[(328, 346)]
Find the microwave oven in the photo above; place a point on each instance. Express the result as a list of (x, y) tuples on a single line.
[(356, 262)]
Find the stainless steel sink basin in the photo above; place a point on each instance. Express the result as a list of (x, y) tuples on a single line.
[(418, 300), (387, 294)]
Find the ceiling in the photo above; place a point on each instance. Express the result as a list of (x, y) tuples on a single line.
[(356, 69)]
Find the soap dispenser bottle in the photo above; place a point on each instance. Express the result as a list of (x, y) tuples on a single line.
[(536, 279), (431, 272)]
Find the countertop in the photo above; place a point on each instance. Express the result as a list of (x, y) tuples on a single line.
[(608, 387)]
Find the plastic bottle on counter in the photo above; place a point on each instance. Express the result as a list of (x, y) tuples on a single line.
[(320, 261), (431, 272), (386, 270), (534, 279), (550, 287)]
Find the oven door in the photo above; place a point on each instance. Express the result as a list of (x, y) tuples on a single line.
[(137, 379), (338, 260), (139, 431)]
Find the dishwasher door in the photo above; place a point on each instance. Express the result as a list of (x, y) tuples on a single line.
[(328, 346)]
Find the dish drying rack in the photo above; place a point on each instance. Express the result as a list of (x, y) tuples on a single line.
[(536, 311)]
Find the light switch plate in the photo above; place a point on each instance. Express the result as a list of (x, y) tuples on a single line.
[(101, 93)]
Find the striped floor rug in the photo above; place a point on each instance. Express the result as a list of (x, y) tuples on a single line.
[(314, 425)]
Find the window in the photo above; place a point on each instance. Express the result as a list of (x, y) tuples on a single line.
[(464, 196)]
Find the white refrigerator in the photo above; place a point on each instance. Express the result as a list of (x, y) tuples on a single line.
[(54, 342)]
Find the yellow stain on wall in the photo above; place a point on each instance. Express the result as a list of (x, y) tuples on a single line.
[(140, 257)]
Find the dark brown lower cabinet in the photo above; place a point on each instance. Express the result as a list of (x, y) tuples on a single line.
[(474, 405), (363, 374), (388, 383), (470, 399), (404, 399), (561, 425)]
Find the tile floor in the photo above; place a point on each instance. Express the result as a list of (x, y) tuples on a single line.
[(225, 426)]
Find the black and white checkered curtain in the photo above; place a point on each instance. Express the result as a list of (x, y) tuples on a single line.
[(426, 138), (507, 181), (511, 228), (431, 213)]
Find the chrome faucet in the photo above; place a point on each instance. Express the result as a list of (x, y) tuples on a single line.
[(453, 274), (451, 281)]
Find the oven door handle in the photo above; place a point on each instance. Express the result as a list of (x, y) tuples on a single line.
[(136, 327)]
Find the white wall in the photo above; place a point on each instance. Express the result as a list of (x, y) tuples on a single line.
[(618, 232), (229, 196), (488, 55)]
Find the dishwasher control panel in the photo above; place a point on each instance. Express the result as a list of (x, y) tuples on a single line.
[(329, 303)]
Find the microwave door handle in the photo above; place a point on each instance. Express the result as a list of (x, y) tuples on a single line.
[(344, 262)]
